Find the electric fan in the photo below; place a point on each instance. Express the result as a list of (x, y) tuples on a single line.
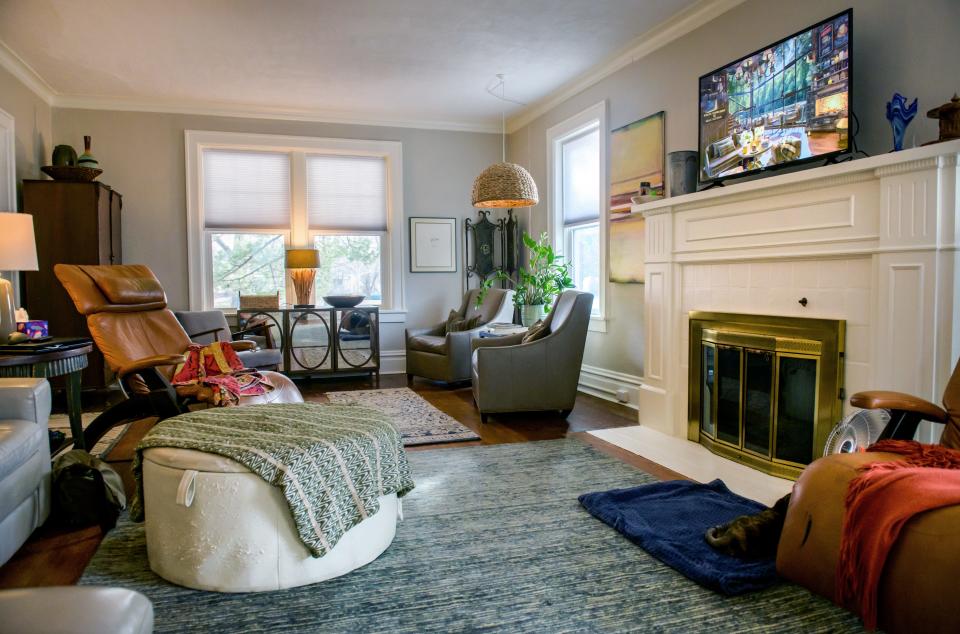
[(857, 431)]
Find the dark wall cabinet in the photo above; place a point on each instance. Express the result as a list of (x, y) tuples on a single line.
[(75, 223)]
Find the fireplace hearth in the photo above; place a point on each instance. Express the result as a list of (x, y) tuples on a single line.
[(765, 390)]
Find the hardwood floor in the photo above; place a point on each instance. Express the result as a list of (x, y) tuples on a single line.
[(55, 556)]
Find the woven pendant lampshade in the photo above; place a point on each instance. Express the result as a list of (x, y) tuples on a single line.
[(504, 185)]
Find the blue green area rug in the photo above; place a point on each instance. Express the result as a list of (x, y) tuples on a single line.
[(493, 540)]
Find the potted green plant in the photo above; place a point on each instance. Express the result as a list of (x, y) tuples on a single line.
[(535, 287)]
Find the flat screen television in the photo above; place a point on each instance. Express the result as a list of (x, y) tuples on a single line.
[(786, 104)]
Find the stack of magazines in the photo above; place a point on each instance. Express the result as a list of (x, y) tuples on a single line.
[(501, 329)]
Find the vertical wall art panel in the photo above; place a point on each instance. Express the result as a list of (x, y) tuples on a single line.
[(636, 156)]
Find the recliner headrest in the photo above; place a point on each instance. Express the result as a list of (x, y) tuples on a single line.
[(122, 288)]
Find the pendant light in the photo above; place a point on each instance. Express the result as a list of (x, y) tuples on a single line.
[(504, 184)]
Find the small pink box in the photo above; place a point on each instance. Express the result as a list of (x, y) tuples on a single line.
[(34, 329)]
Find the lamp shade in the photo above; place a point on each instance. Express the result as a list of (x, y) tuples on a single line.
[(18, 247), (303, 258), (504, 185)]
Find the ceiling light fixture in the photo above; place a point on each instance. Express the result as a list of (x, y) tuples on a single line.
[(504, 184)]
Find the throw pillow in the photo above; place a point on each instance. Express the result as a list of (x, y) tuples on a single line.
[(537, 331), (463, 324), (452, 318)]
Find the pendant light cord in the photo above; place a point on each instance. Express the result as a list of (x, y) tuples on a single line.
[(502, 85)]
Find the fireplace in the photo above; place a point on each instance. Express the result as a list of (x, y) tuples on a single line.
[(763, 390)]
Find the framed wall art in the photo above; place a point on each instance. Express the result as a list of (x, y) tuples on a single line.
[(433, 245), (636, 156)]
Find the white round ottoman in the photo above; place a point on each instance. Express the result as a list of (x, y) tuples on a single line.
[(211, 524)]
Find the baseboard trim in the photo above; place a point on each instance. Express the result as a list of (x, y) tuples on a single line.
[(393, 362), (607, 384)]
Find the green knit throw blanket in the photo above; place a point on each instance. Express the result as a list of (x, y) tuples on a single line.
[(332, 462)]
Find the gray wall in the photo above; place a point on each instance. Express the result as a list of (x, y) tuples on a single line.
[(32, 124), (142, 155), (910, 47)]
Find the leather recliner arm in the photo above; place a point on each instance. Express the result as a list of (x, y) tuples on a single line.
[(881, 399), (149, 362)]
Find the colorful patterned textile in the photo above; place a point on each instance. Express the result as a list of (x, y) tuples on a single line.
[(217, 366), (332, 462)]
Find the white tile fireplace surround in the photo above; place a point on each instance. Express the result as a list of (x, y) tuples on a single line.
[(873, 242)]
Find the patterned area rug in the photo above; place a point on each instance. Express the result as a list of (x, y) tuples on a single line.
[(61, 422), (420, 422), (495, 541)]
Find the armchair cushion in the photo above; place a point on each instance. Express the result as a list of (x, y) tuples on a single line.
[(19, 440), (428, 343)]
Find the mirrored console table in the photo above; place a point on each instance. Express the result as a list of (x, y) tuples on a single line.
[(322, 340)]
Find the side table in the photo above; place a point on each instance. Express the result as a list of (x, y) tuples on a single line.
[(66, 363)]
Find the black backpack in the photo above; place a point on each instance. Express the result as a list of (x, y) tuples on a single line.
[(86, 491)]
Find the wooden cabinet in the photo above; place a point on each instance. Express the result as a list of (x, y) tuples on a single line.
[(75, 223)]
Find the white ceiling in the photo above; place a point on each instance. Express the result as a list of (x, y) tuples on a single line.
[(388, 60)]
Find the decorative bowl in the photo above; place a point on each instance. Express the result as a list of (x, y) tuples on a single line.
[(71, 173), (343, 301)]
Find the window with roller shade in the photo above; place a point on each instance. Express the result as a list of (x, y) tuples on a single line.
[(578, 173), (246, 204), (253, 204), (576, 222), (347, 215)]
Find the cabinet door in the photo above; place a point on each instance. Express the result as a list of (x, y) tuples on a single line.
[(116, 250), (103, 225)]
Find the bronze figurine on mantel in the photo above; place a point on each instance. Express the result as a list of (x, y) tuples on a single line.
[(949, 116), (491, 247)]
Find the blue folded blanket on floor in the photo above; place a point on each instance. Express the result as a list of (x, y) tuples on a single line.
[(668, 520)]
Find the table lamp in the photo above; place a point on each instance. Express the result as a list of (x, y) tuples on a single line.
[(18, 252), (303, 265)]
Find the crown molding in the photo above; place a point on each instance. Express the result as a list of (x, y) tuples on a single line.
[(13, 63), (25, 73), (220, 109), (659, 36)]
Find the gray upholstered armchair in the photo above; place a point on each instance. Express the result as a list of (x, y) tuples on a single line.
[(512, 376), (436, 354), (207, 326)]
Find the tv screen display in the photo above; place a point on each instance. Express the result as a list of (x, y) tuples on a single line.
[(787, 103)]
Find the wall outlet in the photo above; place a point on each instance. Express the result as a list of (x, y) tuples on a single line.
[(623, 396)]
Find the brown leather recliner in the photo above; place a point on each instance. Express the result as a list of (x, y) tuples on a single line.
[(142, 341), (915, 593)]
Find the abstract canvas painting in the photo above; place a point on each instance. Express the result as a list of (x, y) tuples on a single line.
[(636, 156)]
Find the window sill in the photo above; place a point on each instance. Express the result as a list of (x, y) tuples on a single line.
[(597, 324), (393, 316)]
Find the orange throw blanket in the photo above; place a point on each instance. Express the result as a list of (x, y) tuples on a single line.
[(880, 500), (218, 367)]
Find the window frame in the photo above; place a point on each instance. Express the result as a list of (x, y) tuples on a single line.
[(593, 117), (299, 233)]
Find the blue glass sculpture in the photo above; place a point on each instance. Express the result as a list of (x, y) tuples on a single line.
[(899, 114)]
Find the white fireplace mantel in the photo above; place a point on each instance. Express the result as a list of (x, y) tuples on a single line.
[(872, 241)]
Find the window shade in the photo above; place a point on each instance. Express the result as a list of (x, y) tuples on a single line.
[(347, 192), (580, 174), (246, 189)]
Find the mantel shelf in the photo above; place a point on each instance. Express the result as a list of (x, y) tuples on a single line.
[(893, 161)]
